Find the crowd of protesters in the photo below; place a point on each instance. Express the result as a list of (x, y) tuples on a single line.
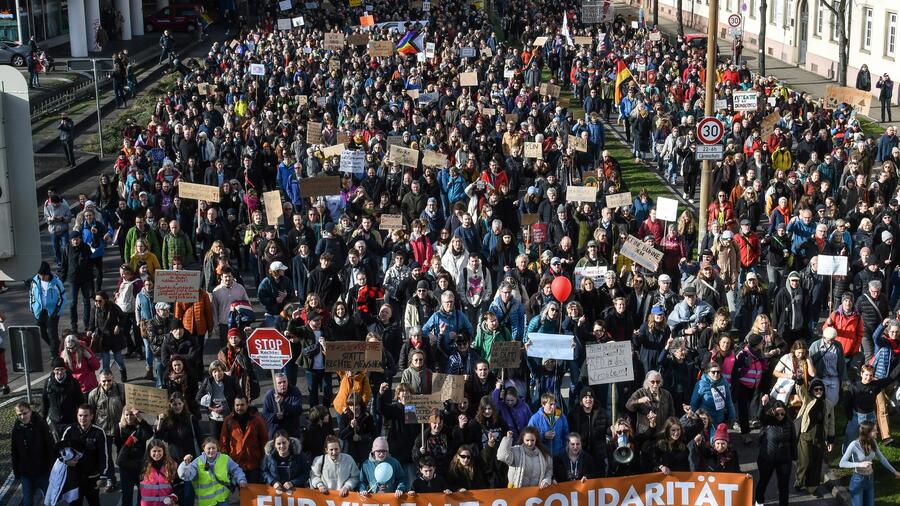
[(727, 331)]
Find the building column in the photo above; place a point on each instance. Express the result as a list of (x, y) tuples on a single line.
[(77, 36), (137, 18), (161, 4), (91, 20), (124, 8)]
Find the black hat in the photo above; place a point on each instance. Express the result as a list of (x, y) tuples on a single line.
[(753, 340), (175, 324), (422, 285), (44, 269), (57, 362)]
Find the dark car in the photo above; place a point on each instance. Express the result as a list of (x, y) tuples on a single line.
[(697, 43), (176, 17)]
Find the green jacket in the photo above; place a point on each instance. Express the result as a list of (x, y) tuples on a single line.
[(176, 245), (484, 339)]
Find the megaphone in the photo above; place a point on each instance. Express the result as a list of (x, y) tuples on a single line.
[(623, 453)]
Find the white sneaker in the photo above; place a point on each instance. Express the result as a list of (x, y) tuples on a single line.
[(691, 201), (684, 195)]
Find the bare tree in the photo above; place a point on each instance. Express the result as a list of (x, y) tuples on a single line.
[(655, 12), (679, 17), (764, 22), (840, 9)]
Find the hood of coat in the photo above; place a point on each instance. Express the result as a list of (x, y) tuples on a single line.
[(295, 447)]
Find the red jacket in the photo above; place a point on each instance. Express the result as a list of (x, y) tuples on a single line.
[(246, 447), (849, 330), (713, 214), (651, 228), (748, 246)]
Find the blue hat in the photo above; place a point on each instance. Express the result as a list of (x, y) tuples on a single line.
[(657, 310)]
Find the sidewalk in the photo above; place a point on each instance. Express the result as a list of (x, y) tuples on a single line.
[(794, 76)]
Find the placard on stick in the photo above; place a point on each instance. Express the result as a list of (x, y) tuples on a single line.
[(529, 218), (619, 199), (404, 156), (582, 40), (506, 354), (419, 407), (468, 79), (578, 143), (666, 209), (641, 253), (581, 194), (274, 211), (358, 39), (320, 186), (391, 222), (353, 356), (550, 89), (534, 150), (434, 159), (150, 401), (450, 386), (176, 286), (196, 191), (334, 41), (313, 132), (332, 151), (609, 362), (832, 265)]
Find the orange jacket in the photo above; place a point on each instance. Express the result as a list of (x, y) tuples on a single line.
[(246, 447), (358, 383), (198, 316), (849, 331)]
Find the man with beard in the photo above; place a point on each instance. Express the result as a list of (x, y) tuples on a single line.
[(244, 435)]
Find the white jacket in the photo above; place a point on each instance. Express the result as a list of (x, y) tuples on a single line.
[(334, 475)]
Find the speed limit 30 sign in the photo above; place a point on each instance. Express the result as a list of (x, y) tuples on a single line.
[(734, 20), (710, 130)]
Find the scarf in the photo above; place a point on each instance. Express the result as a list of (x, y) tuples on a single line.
[(231, 354), (242, 419)]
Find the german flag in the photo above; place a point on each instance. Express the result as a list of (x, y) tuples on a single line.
[(622, 77)]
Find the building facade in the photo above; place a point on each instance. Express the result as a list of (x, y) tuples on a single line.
[(805, 33)]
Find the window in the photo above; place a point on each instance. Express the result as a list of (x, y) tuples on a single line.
[(751, 8), (820, 18), (835, 28), (867, 28), (890, 39)]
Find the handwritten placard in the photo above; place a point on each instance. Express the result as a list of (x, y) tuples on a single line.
[(468, 79), (641, 253), (404, 156), (353, 162), (506, 354), (534, 150), (284, 23), (274, 211), (745, 100), (353, 356), (578, 143), (581, 194), (450, 386), (150, 401), (619, 199), (196, 191), (332, 151), (321, 186), (313, 132), (176, 286), (392, 222), (540, 41), (609, 362), (395, 140), (419, 408), (582, 40), (358, 39), (381, 48), (257, 69), (529, 218), (832, 265), (334, 41), (836, 95), (548, 89)]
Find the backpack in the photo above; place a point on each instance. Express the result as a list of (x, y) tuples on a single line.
[(241, 314)]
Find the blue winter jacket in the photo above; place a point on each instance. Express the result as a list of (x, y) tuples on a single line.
[(703, 398), (800, 232), (560, 427), (515, 320), (368, 483), (52, 301), (455, 321)]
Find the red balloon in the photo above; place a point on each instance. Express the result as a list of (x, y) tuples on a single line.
[(561, 288)]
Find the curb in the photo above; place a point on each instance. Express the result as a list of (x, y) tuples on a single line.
[(83, 164), (837, 490)]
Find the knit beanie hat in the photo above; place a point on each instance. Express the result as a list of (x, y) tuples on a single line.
[(721, 433)]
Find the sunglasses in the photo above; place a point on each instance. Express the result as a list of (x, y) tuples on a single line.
[(715, 372), (461, 456)]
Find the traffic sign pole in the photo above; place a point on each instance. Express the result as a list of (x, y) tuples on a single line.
[(709, 106)]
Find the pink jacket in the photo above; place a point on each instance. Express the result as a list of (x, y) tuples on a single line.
[(85, 373)]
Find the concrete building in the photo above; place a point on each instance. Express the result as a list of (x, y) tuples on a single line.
[(804, 32)]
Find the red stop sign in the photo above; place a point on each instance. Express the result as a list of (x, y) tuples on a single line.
[(268, 348)]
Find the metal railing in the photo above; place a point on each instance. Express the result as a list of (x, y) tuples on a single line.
[(63, 99)]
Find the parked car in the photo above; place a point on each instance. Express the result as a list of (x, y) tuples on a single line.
[(176, 17), (13, 53), (698, 42)]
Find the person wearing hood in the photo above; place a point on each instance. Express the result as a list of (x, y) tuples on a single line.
[(713, 394), (243, 436), (789, 310), (285, 466), (816, 434), (368, 483), (47, 298), (62, 396)]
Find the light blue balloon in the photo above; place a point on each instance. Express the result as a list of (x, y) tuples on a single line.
[(383, 473)]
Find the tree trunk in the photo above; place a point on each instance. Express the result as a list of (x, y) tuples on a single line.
[(655, 12), (679, 17), (764, 22)]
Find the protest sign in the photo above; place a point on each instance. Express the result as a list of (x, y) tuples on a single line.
[(391, 222), (595, 273), (450, 386), (284, 23), (675, 489), (836, 95), (313, 132), (395, 140), (506, 354), (149, 400), (745, 100), (196, 191), (488, 111), (666, 209), (434, 159), (641, 253), (590, 13), (381, 48), (534, 150), (540, 41), (274, 211), (581, 194), (467, 52), (257, 69), (582, 41), (297, 21), (487, 52), (538, 232), (468, 79), (720, 104), (832, 265), (578, 143), (556, 346), (320, 186), (332, 151), (609, 362), (404, 156), (529, 218), (655, 36), (353, 162), (419, 407), (767, 126), (618, 199), (284, 5), (353, 356), (548, 89), (343, 138), (334, 41), (176, 286), (358, 39), (413, 93)]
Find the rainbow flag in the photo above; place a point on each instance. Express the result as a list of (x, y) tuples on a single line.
[(412, 43)]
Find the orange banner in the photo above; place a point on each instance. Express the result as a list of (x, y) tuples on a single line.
[(700, 489)]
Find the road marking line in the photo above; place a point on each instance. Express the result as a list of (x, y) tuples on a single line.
[(6, 486), (10, 401), (33, 382)]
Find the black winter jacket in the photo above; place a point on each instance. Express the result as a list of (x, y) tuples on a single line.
[(60, 401), (32, 447)]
